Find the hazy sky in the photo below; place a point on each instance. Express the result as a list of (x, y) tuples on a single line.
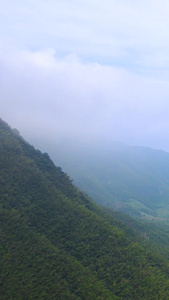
[(81, 69)]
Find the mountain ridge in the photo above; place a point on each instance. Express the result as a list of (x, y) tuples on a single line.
[(128, 178), (56, 243)]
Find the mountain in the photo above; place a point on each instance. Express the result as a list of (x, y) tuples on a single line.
[(127, 178), (56, 243)]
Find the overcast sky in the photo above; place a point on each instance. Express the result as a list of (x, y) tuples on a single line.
[(80, 69)]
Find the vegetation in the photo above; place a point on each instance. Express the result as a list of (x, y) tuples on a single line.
[(131, 179), (56, 243)]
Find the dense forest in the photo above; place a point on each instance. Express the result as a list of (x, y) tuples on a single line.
[(57, 243)]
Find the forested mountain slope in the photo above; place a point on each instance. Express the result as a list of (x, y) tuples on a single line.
[(56, 243), (131, 179)]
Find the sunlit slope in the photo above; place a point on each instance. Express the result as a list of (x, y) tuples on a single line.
[(57, 244), (131, 179)]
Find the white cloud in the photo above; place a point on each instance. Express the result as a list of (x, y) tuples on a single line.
[(46, 97), (129, 33), (71, 68)]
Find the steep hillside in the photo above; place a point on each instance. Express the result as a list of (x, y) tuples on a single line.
[(131, 179), (56, 243)]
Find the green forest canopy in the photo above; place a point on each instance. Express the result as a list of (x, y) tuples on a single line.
[(56, 243)]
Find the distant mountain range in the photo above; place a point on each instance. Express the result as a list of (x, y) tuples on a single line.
[(131, 179), (56, 243)]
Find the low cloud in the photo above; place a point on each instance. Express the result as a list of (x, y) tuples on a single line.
[(47, 97)]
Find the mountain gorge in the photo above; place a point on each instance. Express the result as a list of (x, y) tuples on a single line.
[(57, 243)]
